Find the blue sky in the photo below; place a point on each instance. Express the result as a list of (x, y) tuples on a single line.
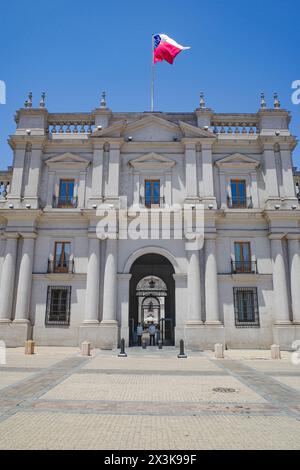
[(75, 49)]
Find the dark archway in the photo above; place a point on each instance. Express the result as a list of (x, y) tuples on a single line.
[(157, 266)]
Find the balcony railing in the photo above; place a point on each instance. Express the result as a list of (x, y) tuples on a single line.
[(65, 202), (67, 268), (152, 202), (240, 202), (243, 267)]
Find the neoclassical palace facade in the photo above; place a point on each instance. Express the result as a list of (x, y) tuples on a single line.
[(61, 282)]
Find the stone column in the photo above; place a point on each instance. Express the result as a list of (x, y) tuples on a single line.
[(211, 283), (110, 282), (168, 189), (109, 324), (207, 170), (32, 187), (136, 188), (194, 288), (97, 174), (254, 190), (123, 296), (114, 171), (280, 285), (8, 278), (294, 262), (50, 188), (25, 279), (270, 172), (81, 189), (191, 171), (18, 170), (92, 283), (287, 171)]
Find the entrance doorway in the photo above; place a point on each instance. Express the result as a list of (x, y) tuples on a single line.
[(152, 297)]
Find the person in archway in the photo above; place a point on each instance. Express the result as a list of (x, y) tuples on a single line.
[(152, 333), (139, 332)]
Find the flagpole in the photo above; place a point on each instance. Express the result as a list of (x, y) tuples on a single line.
[(152, 77)]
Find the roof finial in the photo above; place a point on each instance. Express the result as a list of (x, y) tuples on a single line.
[(42, 102), (276, 101), (28, 102), (103, 100), (263, 103), (202, 102)]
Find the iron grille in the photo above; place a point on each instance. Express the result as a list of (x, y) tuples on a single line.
[(246, 307), (243, 267), (58, 305), (65, 202), (240, 202)]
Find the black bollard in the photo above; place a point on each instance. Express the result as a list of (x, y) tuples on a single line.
[(160, 344), (122, 352), (144, 344), (181, 354)]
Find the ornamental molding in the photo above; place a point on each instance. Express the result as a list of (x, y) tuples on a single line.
[(152, 160)]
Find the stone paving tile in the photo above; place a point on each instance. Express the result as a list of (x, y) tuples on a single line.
[(264, 385), (10, 378), (293, 382), (38, 383), (150, 362), (44, 357), (151, 388), (152, 408), (83, 431)]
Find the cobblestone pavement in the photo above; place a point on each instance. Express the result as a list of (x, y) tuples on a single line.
[(57, 399)]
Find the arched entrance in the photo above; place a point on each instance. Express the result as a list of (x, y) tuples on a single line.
[(152, 296)]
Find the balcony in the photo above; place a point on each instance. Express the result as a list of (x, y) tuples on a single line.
[(239, 202), (66, 268), (63, 202), (152, 202), (243, 267)]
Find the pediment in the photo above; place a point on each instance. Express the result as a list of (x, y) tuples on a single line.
[(189, 130), (154, 129), (152, 161), (237, 160), (67, 159), (115, 130)]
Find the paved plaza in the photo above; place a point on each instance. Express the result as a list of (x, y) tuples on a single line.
[(57, 399)]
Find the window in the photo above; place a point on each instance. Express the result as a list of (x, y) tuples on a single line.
[(242, 252), (58, 305), (238, 194), (246, 307), (62, 257), (152, 193), (66, 194)]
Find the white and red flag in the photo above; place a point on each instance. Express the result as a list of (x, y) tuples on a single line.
[(165, 48)]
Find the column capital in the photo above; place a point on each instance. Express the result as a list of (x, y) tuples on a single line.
[(210, 237), (206, 144), (277, 236), (98, 144), (11, 235), (28, 235), (293, 236), (189, 143), (124, 277)]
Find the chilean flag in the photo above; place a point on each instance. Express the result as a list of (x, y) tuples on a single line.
[(165, 48)]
